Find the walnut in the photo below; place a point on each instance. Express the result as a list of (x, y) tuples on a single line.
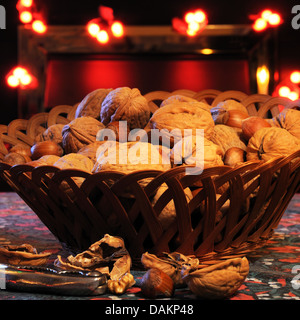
[(125, 104), (288, 119), (172, 120), (218, 281), (13, 158), (177, 98), (90, 106), (130, 156), (189, 151), (272, 142), (74, 161), (231, 104), (80, 132), (53, 133), (227, 137), (92, 150)]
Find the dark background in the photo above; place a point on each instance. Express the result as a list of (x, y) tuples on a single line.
[(68, 12)]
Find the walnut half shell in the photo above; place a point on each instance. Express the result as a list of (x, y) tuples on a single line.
[(24, 255), (217, 281)]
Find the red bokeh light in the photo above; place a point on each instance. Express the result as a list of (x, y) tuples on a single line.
[(25, 16), (265, 19), (21, 77), (39, 26)]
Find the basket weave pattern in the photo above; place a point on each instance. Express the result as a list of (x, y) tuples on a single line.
[(264, 189)]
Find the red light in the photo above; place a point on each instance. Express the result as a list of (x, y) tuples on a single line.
[(274, 19), (189, 17), (260, 24), (106, 13), (199, 16), (295, 77), (93, 29), (26, 16), (39, 26), (26, 3), (117, 29), (12, 81), (102, 37), (266, 14), (284, 91), (19, 76)]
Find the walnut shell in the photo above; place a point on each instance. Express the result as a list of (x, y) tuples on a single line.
[(93, 150), (189, 150), (90, 106), (170, 263), (22, 149), (231, 104), (24, 254), (172, 120), (80, 132), (227, 137), (125, 104), (53, 133), (138, 156), (218, 281), (177, 98), (74, 161), (272, 142), (13, 158), (108, 255)]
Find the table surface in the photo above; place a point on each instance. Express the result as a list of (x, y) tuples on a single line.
[(274, 269)]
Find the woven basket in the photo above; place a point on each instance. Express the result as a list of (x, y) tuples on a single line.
[(78, 221)]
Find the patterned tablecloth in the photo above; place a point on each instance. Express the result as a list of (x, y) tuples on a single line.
[(274, 269)]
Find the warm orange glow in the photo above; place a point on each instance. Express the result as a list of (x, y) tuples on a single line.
[(206, 51), (26, 3), (39, 26), (274, 19), (12, 81), (260, 24), (102, 37), (26, 16), (295, 77), (117, 29), (93, 29), (262, 77), (284, 91)]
